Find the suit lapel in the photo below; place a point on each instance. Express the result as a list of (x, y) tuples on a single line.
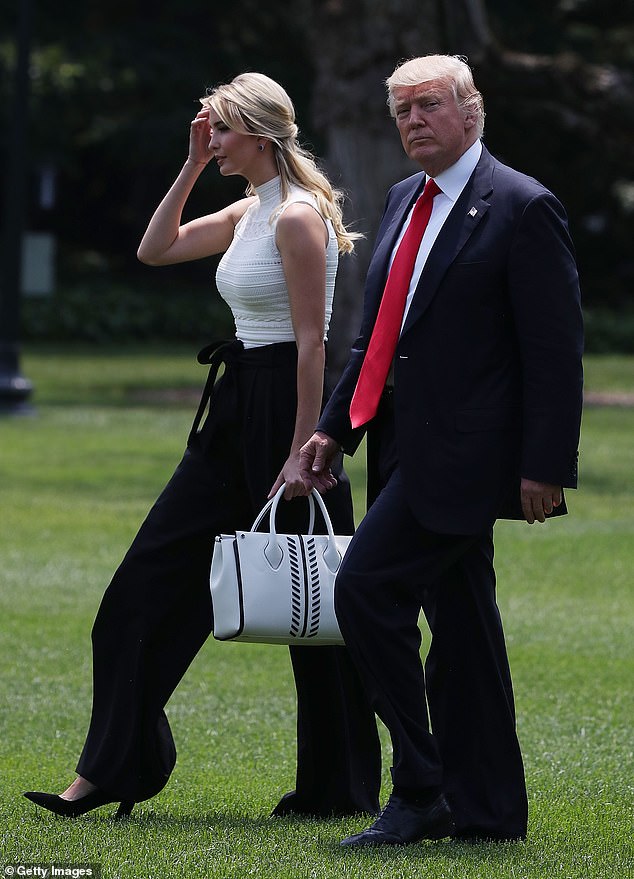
[(464, 218), (379, 264)]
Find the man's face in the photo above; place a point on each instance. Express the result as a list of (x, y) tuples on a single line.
[(434, 131)]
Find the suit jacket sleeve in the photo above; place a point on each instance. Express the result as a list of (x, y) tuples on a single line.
[(335, 419), (545, 298)]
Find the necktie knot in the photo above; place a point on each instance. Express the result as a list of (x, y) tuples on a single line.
[(431, 190)]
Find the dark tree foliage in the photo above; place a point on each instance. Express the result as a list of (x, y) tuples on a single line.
[(559, 83), (560, 106), (114, 86)]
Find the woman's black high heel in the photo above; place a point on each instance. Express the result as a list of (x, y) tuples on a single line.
[(75, 808)]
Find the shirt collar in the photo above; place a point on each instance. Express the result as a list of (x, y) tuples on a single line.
[(454, 179)]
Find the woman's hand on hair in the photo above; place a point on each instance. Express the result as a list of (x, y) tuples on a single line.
[(199, 139)]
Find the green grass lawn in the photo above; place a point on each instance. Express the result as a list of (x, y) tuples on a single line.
[(76, 479)]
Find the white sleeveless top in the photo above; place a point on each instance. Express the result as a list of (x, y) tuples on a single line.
[(250, 276)]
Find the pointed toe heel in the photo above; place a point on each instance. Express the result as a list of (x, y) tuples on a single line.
[(76, 808)]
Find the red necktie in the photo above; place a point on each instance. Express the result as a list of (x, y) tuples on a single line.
[(384, 338)]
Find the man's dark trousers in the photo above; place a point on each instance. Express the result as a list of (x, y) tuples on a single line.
[(393, 568)]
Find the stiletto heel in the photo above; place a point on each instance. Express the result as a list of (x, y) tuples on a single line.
[(75, 808), (125, 807)]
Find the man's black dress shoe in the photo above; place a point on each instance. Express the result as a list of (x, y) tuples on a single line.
[(402, 822)]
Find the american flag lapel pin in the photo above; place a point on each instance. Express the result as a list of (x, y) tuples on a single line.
[(473, 212)]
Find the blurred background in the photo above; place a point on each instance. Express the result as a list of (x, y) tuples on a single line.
[(96, 100)]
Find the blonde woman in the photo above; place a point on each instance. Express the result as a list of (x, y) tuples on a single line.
[(281, 244)]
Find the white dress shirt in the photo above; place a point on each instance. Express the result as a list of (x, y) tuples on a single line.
[(451, 182)]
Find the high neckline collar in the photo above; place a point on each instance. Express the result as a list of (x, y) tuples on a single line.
[(269, 192)]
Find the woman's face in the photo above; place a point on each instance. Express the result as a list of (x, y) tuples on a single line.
[(235, 153)]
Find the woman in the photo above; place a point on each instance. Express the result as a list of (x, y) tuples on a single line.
[(280, 247)]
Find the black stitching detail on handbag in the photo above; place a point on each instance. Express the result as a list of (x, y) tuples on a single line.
[(296, 589), (313, 590)]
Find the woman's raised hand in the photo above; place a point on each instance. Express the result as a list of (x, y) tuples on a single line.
[(199, 139)]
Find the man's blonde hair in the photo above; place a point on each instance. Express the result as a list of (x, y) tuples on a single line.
[(451, 69)]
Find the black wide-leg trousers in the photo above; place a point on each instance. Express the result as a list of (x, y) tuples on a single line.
[(156, 614), (451, 719)]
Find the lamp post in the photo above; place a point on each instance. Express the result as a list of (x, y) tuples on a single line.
[(15, 389)]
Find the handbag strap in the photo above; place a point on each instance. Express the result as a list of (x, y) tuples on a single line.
[(273, 550)]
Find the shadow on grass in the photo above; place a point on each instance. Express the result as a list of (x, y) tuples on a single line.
[(236, 823), (448, 850)]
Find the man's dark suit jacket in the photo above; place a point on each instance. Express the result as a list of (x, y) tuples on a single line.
[(487, 371)]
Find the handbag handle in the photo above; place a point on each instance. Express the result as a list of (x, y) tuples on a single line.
[(267, 506), (273, 550)]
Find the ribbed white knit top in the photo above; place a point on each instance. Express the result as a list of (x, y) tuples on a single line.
[(250, 276)]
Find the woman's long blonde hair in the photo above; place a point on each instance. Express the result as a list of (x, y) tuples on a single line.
[(252, 103)]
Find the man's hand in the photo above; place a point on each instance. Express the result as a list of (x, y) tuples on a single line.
[(291, 476), (539, 499), (315, 458)]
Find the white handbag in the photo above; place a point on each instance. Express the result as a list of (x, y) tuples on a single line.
[(277, 588)]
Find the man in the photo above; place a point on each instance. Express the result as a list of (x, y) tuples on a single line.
[(469, 387)]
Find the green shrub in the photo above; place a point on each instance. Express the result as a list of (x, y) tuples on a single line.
[(102, 312), (609, 332)]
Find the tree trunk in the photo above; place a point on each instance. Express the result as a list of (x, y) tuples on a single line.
[(355, 47)]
